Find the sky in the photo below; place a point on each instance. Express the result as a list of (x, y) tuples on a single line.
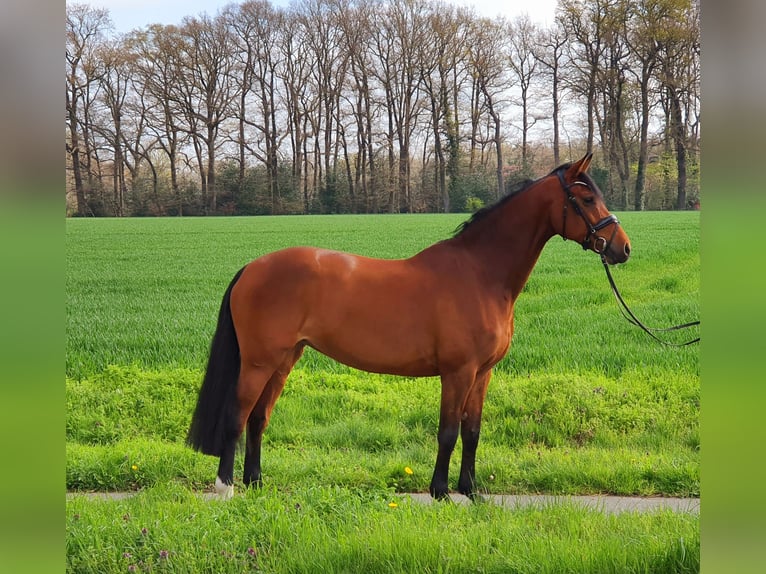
[(130, 14)]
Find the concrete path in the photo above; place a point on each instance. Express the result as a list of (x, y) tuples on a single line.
[(608, 504)]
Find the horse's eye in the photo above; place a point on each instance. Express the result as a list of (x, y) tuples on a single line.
[(590, 200)]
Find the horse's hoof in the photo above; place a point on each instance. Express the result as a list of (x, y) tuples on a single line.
[(441, 496), (477, 498), (223, 490)]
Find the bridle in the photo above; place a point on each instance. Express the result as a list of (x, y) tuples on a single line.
[(600, 246)]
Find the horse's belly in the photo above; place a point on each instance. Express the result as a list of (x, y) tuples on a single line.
[(373, 348), (379, 363)]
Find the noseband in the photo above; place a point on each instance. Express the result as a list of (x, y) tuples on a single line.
[(600, 244)]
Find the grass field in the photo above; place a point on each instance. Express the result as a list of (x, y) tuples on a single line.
[(584, 403)]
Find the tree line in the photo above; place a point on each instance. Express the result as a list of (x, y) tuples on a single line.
[(365, 106)]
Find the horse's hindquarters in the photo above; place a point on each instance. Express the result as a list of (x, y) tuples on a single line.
[(374, 315)]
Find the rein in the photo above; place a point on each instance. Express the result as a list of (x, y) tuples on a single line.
[(633, 320), (600, 245)]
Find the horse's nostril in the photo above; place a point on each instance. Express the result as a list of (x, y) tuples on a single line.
[(627, 249)]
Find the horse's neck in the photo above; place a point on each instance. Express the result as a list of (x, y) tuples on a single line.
[(507, 244)]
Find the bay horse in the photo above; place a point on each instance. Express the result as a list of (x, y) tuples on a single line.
[(446, 311)]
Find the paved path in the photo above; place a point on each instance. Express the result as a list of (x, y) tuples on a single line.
[(609, 504)]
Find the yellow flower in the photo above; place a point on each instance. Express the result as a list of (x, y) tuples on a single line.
[(407, 470), (392, 505), (134, 467)]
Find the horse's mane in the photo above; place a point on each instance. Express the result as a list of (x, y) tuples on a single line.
[(482, 214)]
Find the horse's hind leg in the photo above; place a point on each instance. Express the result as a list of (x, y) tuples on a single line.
[(250, 386), (469, 433), (260, 415)]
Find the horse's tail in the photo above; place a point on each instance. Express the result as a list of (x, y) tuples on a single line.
[(215, 420)]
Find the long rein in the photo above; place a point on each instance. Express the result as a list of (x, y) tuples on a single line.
[(632, 319), (622, 305)]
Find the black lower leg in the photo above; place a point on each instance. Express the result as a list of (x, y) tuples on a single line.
[(252, 474), (467, 481), (226, 464), (439, 488)]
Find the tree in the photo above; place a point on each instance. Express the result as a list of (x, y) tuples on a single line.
[(318, 23), (300, 101), (679, 51), (523, 63), (207, 93), (440, 55), (488, 69), (362, 105), (551, 49), (612, 84), (405, 25), (255, 25), (158, 70), (584, 22), (115, 82), (85, 29), (647, 17)]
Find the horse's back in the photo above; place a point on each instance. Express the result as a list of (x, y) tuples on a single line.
[(400, 316)]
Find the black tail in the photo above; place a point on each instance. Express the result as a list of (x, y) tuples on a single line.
[(215, 420)]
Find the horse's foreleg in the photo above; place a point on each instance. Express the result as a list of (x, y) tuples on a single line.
[(259, 419), (454, 390), (469, 433)]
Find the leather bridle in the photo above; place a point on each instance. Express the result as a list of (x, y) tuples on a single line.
[(600, 244)]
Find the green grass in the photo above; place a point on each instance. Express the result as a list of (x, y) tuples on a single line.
[(584, 403), (333, 529), (147, 291), (568, 435)]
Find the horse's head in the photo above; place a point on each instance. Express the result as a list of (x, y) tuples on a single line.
[(585, 216)]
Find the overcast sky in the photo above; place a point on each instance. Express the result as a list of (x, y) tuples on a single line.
[(130, 14)]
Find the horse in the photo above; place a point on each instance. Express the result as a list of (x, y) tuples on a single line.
[(447, 311)]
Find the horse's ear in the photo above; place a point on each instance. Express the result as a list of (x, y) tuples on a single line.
[(578, 167), (583, 165)]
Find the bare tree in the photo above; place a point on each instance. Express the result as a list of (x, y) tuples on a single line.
[(357, 22), (299, 101), (584, 21), (614, 89), (679, 75), (207, 93), (405, 23), (550, 53), (158, 69), (400, 106), (647, 17), (489, 71), (384, 73), (523, 63), (115, 81), (319, 29), (439, 56), (256, 30), (85, 30)]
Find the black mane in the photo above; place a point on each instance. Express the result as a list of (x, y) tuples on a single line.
[(521, 186), (482, 213), (485, 211)]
